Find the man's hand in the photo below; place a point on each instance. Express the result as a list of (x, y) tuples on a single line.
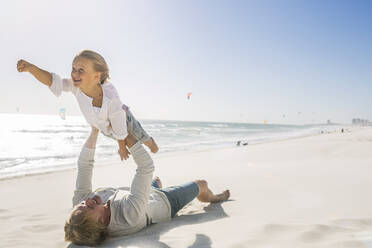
[(124, 153), (23, 66), (94, 130)]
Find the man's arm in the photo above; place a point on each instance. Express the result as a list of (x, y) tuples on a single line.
[(85, 168), (92, 139), (137, 200)]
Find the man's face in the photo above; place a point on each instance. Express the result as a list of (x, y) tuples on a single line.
[(92, 207)]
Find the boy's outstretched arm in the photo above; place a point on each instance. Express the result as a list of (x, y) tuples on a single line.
[(43, 76)]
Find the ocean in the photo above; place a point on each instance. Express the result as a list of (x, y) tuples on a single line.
[(42, 143)]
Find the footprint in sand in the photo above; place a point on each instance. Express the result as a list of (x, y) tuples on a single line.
[(35, 217), (348, 244), (318, 233), (278, 229), (5, 214), (355, 223), (6, 217), (41, 228), (362, 231)]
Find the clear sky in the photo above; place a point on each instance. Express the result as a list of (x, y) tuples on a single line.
[(244, 61)]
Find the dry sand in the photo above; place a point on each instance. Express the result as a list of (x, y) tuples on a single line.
[(305, 192)]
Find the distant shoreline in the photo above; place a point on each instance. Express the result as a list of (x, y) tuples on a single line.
[(106, 162), (190, 121)]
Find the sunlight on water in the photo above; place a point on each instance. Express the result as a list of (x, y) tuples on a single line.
[(38, 143)]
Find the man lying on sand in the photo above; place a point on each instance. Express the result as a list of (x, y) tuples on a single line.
[(122, 211)]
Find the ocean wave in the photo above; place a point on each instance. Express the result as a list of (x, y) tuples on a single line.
[(83, 126), (11, 161), (218, 125), (156, 125), (188, 130), (50, 131), (172, 125)]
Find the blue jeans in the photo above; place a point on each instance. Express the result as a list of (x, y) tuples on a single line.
[(134, 127), (179, 196)]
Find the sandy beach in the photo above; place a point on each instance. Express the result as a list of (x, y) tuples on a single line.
[(303, 192)]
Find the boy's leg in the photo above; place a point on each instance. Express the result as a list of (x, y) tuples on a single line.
[(134, 128)]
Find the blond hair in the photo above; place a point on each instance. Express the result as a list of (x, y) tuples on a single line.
[(82, 230), (99, 63)]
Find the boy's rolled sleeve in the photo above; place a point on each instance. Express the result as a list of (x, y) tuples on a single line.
[(59, 85)]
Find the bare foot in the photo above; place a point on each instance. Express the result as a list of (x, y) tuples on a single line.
[(222, 197), (152, 145), (158, 181)]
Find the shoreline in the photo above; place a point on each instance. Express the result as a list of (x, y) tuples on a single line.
[(72, 166), (189, 121)]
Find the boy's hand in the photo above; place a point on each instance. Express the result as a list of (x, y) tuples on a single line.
[(124, 153), (23, 66)]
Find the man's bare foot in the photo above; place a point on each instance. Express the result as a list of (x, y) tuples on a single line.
[(158, 181), (152, 145), (222, 197)]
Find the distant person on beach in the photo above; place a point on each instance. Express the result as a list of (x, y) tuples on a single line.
[(122, 211), (240, 143), (97, 97)]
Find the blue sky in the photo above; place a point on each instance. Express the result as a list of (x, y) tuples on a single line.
[(244, 61)]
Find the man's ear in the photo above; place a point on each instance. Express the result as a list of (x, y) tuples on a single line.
[(102, 219)]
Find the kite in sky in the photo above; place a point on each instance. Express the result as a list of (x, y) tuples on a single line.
[(188, 95)]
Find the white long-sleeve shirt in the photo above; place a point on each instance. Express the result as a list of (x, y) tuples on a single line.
[(131, 208), (110, 119)]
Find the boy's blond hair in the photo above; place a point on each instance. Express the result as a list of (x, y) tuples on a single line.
[(99, 63), (82, 230)]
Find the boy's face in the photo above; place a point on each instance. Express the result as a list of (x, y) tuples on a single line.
[(83, 73)]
